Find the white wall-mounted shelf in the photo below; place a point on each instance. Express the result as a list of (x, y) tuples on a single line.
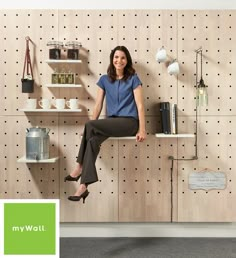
[(63, 61), (50, 85), (184, 135), (120, 138), (158, 135), (24, 160), (51, 110), (123, 138)]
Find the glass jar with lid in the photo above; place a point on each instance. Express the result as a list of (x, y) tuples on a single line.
[(73, 49), (55, 50)]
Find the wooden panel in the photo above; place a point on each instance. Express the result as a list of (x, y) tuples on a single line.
[(97, 31), (144, 32), (216, 153), (213, 30), (102, 202), (41, 26), (27, 180), (144, 178)]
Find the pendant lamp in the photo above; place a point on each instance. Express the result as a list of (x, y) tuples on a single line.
[(201, 95)]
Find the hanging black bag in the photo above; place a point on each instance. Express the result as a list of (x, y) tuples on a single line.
[(28, 79)]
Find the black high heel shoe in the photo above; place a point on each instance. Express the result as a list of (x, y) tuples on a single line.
[(70, 178), (76, 198)]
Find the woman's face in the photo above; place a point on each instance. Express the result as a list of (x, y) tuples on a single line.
[(119, 60)]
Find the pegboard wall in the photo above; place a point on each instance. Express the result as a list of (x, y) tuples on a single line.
[(134, 178)]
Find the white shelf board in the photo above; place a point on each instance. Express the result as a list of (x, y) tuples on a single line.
[(50, 110), (24, 160), (183, 135), (123, 138), (63, 85), (120, 138), (62, 61)]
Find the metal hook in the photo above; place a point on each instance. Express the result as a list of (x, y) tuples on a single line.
[(27, 38), (198, 50)]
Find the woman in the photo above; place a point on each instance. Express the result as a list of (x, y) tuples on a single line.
[(125, 117)]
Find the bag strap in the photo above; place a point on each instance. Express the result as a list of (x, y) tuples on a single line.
[(27, 63)]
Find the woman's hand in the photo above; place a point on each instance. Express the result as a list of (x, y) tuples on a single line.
[(141, 136), (138, 95)]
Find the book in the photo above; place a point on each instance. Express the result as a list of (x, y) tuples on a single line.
[(165, 117), (173, 119), (169, 118)]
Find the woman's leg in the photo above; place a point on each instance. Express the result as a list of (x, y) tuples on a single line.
[(96, 132), (77, 170)]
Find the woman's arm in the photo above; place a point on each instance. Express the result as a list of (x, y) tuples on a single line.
[(98, 104), (138, 96)]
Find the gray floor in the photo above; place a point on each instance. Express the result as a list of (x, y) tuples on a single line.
[(148, 247)]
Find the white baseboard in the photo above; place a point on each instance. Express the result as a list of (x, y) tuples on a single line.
[(122, 4), (148, 230)]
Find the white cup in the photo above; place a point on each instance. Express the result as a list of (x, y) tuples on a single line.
[(45, 103), (72, 103), (31, 103), (161, 55), (173, 68), (59, 103)]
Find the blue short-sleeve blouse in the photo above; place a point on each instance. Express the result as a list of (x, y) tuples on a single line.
[(119, 96)]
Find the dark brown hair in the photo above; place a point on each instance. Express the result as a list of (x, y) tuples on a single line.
[(128, 71)]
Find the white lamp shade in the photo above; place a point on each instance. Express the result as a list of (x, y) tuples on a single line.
[(161, 55), (173, 68)]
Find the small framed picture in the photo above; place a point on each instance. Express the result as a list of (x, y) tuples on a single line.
[(55, 78), (61, 78), (71, 78)]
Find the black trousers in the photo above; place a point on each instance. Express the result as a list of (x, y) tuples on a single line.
[(96, 132)]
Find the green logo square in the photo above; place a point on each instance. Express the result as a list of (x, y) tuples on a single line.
[(30, 228)]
